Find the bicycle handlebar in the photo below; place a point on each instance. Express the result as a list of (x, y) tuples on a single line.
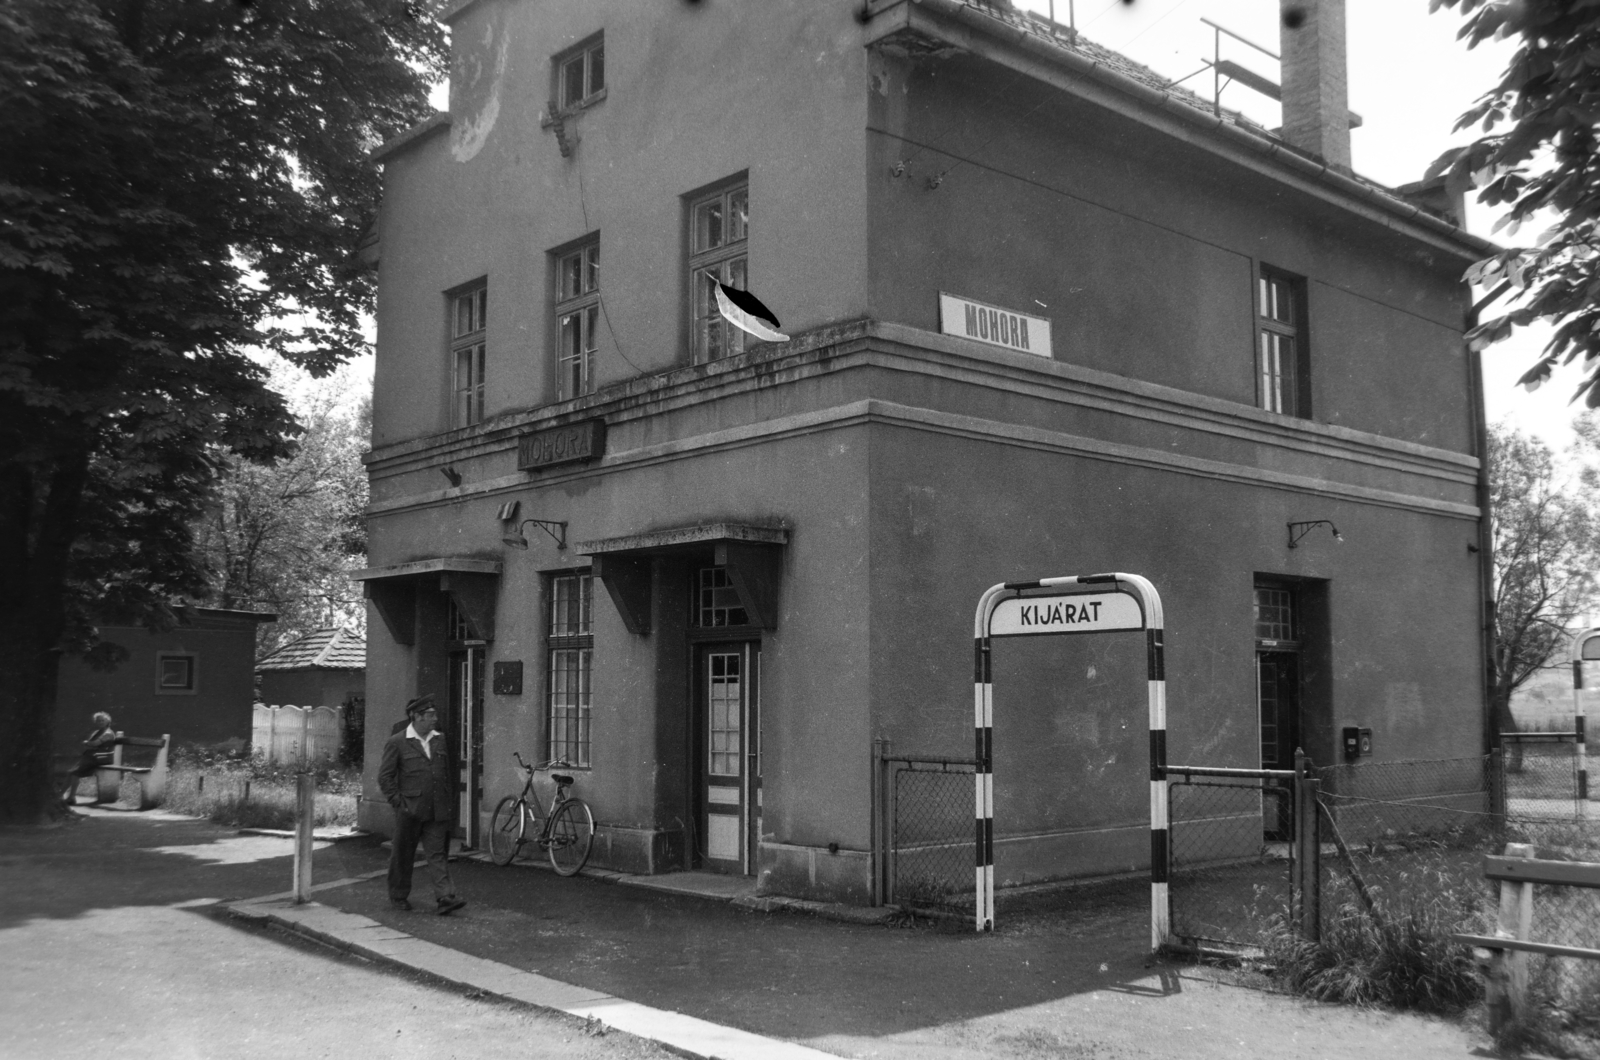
[(542, 766)]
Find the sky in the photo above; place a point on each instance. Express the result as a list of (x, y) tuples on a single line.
[(1410, 79)]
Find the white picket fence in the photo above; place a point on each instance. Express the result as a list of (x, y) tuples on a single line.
[(291, 735)]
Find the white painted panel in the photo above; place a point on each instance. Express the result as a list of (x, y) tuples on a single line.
[(722, 836), (1081, 613), (722, 796)]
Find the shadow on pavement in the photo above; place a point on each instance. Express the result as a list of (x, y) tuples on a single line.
[(111, 860), (783, 974)]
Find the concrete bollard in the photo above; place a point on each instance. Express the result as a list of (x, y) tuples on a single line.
[(304, 822)]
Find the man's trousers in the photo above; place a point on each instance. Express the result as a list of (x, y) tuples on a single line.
[(435, 839)]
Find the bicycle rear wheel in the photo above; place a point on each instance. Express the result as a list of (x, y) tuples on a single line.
[(506, 830), (571, 836)]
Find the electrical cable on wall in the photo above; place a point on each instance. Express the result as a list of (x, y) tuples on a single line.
[(583, 203)]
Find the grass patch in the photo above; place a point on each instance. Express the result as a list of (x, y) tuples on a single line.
[(226, 784)]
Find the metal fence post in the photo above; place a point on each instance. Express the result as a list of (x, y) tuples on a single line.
[(877, 820), (1305, 850), (304, 819)]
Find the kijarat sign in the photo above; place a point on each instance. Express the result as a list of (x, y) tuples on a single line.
[(993, 325), (570, 443)]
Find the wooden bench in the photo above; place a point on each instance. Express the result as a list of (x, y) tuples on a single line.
[(151, 779)]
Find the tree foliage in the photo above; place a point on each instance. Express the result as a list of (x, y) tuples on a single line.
[(1539, 154), (284, 536), (1546, 552), (179, 178)]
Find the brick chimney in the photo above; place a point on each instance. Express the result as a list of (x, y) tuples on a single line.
[(1316, 111)]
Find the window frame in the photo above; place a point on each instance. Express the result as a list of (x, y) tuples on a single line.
[(583, 54), (1284, 398), (562, 642), (193, 660), (585, 305), (469, 347), (730, 260)]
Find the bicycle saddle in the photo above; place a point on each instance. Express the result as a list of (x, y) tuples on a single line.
[(561, 779)]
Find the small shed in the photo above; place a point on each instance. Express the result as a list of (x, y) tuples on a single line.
[(326, 667)]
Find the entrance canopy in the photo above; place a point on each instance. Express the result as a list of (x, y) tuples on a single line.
[(749, 553), (471, 583)]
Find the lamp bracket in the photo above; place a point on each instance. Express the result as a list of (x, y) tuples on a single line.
[(556, 529), (1298, 531)]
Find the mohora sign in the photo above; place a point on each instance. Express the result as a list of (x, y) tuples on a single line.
[(993, 325)]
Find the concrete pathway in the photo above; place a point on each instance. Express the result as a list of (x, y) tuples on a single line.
[(375, 941)]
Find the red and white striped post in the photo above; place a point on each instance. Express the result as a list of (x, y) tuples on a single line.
[(1033, 609)]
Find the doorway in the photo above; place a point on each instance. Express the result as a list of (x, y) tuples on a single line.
[(728, 746), (1277, 700)]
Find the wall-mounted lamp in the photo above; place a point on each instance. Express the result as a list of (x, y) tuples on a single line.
[(452, 474), (557, 531), (1300, 530)]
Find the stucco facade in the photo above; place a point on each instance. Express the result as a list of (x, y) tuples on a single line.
[(864, 482)]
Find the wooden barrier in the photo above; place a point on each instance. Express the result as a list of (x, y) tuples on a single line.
[(1504, 955)]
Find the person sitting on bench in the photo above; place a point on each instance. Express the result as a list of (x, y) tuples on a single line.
[(97, 752)]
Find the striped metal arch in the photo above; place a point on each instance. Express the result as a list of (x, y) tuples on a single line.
[(1580, 645), (983, 725)]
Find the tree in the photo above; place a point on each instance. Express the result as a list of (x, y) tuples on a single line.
[(284, 536), (1540, 154), (180, 178), (1546, 551)]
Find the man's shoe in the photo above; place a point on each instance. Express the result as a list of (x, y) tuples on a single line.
[(400, 905), (450, 905)]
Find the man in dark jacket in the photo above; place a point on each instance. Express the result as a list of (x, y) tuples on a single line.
[(418, 777)]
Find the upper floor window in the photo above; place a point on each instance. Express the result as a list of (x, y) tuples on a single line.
[(1282, 384), (581, 74), (719, 227), (468, 321), (577, 318)]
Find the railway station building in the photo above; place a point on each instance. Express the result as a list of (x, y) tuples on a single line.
[(1045, 314)]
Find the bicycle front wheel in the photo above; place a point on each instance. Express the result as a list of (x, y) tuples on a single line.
[(506, 830), (571, 836)]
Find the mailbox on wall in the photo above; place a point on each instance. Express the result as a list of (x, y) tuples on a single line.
[(1357, 742)]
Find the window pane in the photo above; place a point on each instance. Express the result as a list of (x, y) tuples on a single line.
[(572, 81), (571, 275), (592, 271), (481, 317), (708, 225), (738, 214), (597, 70)]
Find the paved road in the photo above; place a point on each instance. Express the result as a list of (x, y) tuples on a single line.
[(112, 946), (106, 940)]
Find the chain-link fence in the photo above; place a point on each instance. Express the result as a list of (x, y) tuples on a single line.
[(1231, 873), (931, 848), (1540, 770)]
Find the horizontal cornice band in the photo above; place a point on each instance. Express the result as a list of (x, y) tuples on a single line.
[(873, 411)]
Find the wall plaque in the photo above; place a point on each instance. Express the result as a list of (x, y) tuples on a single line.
[(570, 444), (508, 678)]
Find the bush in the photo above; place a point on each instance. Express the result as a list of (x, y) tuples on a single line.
[(1406, 961)]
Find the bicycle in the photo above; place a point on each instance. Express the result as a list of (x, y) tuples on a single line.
[(567, 831)]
